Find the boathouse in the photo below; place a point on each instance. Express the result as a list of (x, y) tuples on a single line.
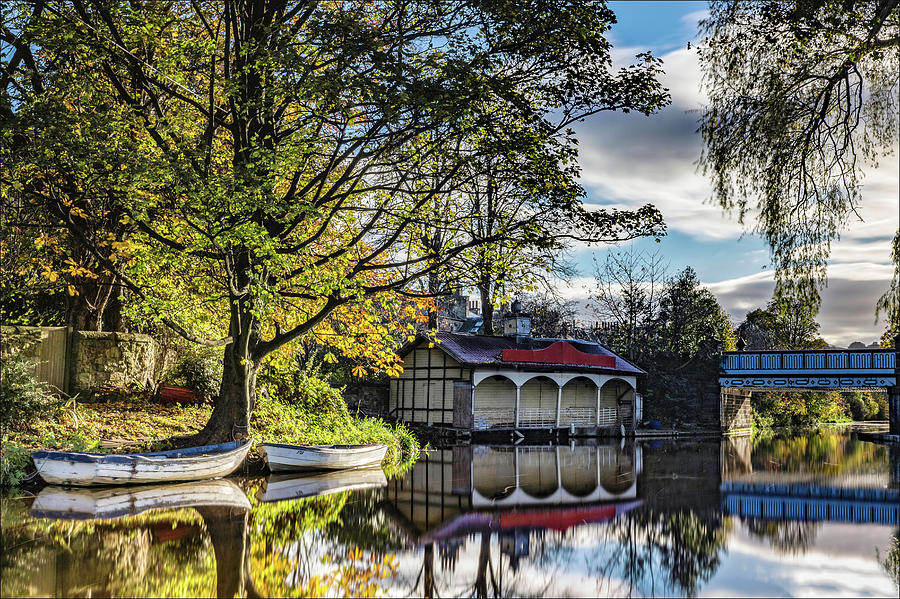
[(515, 381)]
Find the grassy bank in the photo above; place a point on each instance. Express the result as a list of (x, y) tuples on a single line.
[(137, 424)]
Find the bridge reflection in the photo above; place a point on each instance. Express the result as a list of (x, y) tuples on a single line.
[(811, 503), (812, 485), (512, 515)]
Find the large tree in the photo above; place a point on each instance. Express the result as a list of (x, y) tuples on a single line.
[(801, 94), (277, 161)]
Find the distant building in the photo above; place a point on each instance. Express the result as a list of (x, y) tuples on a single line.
[(515, 381), (460, 313)]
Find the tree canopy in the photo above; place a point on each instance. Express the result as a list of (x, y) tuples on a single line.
[(801, 94), (275, 164)]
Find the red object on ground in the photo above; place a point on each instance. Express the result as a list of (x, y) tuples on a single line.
[(558, 353), (173, 394)]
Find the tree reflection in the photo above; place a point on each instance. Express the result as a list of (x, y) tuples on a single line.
[(821, 451), (789, 537), (278, 549), (164, 553), (679, 549), (228, 532), (890, 562)]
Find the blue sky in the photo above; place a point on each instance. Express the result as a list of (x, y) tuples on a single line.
[(630, 160)]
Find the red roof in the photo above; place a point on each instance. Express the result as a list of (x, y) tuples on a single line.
[(558, 353), (488, 350)]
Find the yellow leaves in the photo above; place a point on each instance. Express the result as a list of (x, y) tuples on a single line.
[(359, 371), (76, 211), (355, 553), (330, 358), (72, 291), (73, 269), (394, 371), (50, 274)]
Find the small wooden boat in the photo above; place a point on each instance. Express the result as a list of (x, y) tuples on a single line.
[(282, 487), (283, 458), (191, 463), (88, 504)]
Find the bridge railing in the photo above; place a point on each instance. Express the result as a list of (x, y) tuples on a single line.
[(812, 360)]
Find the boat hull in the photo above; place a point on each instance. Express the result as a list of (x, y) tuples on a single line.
[(293, 458), (286, 487), (87, 504), (88, 469)]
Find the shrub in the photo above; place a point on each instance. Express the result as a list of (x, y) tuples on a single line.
[(866, 406), (199, 369), (23, 399), (297, 407), (14, 461)]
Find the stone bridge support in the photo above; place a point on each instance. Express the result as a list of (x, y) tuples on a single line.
[(894, 409), (734, 411)]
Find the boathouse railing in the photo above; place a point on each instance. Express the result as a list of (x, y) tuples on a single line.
[(811, 360)]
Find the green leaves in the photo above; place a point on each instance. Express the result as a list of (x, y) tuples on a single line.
[(799, 96)]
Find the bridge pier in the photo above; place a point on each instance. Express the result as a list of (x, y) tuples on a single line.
[(735, 411), (894, 409)]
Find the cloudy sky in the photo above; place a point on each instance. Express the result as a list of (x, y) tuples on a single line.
[(630, 160)]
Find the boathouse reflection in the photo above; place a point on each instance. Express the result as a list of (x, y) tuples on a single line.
[(449, 482)]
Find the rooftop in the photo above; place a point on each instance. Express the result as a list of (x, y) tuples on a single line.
[(476, 350)]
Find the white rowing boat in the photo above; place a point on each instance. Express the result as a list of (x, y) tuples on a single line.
[(282, 487), (116, 502), (191, 463), (284, 458)]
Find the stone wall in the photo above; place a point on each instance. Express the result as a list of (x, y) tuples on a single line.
[(894, 410), (110, 360), (16, 339), (686, 394), (735, 415)]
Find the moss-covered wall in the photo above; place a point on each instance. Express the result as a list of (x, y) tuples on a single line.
[(15, 339), (100, 359)]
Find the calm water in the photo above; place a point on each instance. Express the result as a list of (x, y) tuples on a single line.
[(798, 515)]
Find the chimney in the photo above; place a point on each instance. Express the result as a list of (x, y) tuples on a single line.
[(515, 323)]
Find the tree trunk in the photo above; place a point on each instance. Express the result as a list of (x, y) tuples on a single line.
[(487, 308), (230, 419), (434, 288)]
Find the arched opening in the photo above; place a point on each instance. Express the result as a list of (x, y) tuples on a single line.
[(495, 403), (537, 472), (578, 470), (494, 472), (537, 402), (616, 469), (616, 403), (578, 404)]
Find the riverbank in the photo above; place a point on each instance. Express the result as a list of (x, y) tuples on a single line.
[(136, 424)]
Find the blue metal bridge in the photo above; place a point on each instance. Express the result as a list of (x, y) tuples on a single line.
[(809, 370)]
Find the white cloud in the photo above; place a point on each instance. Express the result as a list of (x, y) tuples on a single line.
[(848, 304), (630, 160)]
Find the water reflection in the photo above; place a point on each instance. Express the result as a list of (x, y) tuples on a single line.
[(654, 518), (115, 502), (281, 487)]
